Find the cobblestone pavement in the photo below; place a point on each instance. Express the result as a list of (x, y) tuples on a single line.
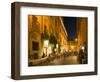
[(62, 60), (65, 60)]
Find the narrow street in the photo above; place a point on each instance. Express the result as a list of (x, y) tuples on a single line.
[(60, 60), (64, 60), (57, 41)]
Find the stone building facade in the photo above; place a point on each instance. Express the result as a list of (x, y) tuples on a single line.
[(46, 35)]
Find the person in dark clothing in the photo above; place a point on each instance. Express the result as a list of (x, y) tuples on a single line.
[(80, 56)]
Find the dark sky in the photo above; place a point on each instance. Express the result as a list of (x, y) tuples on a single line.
[(70, 25)]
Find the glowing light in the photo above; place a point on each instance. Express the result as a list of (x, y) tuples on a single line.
[(82, 48), (50, 50), (76, 40), (46, 42), (55, 49), (56, 45), (72, 47), (44, 50)]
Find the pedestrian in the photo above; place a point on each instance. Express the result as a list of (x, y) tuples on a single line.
[(80, 56)]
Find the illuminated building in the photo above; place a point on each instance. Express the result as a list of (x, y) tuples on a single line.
[(82, 32), (80, 40), (46, 35)]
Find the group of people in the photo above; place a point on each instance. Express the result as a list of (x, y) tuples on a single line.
[(81, 55)]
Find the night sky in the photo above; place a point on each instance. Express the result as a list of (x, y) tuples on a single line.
[(70, 25)]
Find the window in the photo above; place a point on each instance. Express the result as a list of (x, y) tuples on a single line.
[(35, 45)]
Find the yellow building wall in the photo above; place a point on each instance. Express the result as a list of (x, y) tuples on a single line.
[(52, 25), (82, 31), (34, 35)]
